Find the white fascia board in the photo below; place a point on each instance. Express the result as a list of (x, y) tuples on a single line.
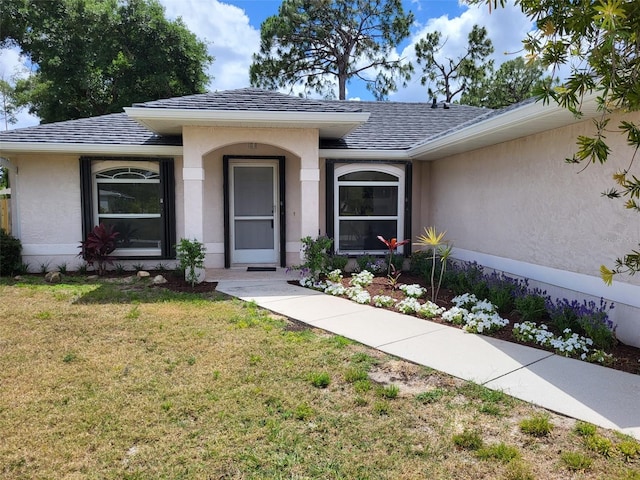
[(531, 113), (88, 148), (244, 116), (147, 116), (362, 154)]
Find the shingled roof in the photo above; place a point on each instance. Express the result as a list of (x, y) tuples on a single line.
[(391, 125), (252, 100), (398, 126), (113, 129)]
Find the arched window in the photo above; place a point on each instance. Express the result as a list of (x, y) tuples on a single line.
[(134, 195), (368, 201)]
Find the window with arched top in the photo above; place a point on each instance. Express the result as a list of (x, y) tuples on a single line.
[(368, 202), (136, 198)]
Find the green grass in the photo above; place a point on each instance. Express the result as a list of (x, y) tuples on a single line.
[(126, 381), (538, 425)]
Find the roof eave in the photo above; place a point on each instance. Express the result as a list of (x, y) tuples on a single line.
[(527, 120), (362, 154), (89, 149), (170, 121)]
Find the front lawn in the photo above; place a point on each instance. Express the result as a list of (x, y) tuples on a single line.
[(109, 380)]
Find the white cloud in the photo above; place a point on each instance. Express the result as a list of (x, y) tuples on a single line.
[(230, 38), (506, 27)]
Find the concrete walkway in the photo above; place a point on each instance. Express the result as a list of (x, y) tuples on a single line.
[(602, 396)]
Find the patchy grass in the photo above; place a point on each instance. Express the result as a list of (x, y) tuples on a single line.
[(114, 381)]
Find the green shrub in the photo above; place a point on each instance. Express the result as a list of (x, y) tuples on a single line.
[(502, 296), (338, 262), (531, 307), (10, 254), (191, 255), (421, 264), (316, 254)]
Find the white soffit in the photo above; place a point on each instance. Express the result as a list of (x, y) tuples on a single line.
[(520, 122), (166, 121)]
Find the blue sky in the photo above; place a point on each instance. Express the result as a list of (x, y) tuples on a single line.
[(231, 29)]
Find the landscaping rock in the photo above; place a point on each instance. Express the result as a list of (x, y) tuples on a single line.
[(93, 277), (143, 274), (159, 280), (53, 277)]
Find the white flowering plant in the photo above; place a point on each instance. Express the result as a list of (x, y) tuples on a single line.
[(430, 310), (408, 305), (334, 288), (475, 316), (362, 279), (383, 301), (455, 315), (414, 290), (466, 301), (358, 294), (335, 276)]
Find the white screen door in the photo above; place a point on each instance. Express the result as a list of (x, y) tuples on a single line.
[(253, 212)]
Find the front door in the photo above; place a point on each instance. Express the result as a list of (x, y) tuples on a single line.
[(253, 211)]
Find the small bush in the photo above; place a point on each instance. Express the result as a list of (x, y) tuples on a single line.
[(10, 254), (338, 262), (537, 426), (576, 461), (320, 380), (98, 246), (191, 254), (531, 307), (468, 440)]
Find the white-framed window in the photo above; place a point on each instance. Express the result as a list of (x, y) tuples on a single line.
[(129, 197), (368, 202)]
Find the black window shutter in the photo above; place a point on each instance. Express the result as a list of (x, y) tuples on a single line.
[(86, 196), (167, 181)]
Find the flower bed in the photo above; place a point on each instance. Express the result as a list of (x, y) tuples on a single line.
[(476, 315)]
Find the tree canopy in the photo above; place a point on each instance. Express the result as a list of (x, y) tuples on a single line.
[(93, 57), (599, 41), (451, 76), (315, 43), (514, 81)]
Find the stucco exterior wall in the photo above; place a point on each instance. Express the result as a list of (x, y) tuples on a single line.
[(518, 204), (47, 199), (208, 145)]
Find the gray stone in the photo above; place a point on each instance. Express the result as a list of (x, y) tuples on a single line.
[(53, 277), (159, 280)]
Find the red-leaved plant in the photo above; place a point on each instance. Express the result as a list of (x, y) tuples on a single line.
[(392, 244), (100, 243)]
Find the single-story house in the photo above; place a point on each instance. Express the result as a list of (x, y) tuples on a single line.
[(250, 172)]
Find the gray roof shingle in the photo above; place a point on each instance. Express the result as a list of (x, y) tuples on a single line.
[(399, 125), (113, 129), (391, 125), (250, 99)]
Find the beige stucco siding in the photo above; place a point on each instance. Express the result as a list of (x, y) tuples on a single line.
[(205, 148), (520, 200), (47, 197)]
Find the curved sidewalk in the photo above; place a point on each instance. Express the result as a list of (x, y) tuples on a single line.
[(602, 396)]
